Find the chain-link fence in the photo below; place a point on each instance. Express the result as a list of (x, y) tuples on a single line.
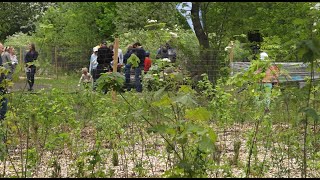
[(54, 64)]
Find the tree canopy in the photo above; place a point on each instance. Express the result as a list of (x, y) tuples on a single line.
[(20, 17), (79, 26)]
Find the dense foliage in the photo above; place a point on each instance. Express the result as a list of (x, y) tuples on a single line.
[(192, 119), (74, 28)]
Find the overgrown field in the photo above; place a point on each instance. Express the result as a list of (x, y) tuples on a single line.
[(171, 131)]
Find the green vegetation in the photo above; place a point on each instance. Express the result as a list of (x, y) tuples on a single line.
[(192, 120)]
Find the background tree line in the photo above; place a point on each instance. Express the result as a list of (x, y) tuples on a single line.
[(76, 27)]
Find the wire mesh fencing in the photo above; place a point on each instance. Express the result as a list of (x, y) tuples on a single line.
[(55, 64)]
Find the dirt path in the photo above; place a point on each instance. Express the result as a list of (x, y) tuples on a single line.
[(21, 85)]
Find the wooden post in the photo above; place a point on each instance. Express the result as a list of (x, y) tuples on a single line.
[(56, 60), (115, 63), (231, 57)]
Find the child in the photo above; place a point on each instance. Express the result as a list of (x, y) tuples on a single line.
[(147, 62), (86, 77)]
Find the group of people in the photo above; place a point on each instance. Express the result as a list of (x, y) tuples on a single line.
[(101, 61), (9, 61)]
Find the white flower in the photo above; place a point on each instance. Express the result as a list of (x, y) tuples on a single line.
[(167, 29), (314, 30), (151, 21), (166, 60), (174, 34)]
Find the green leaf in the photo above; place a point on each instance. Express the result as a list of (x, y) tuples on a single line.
[(212, 135), (298, 21), (310, 112), (133, 60), (182, 140), (155, 26), (158, 93), (186, 100), (206, 144), (138, 113), (186, 89), (110, 81), (159, 128), (192, 128), (164, 101), (198, 114)]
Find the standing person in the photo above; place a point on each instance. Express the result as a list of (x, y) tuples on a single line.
[(141, 54), (162, 52), (85, 78), (29, 59), (120, 58), (6, 60), (167, 51), (127, 54), (127, 67), (147, 62), (3, 100), (104, 58), (270, 79), (14, 61), (93, 65)]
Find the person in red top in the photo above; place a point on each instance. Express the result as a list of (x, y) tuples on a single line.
[(147, 62)]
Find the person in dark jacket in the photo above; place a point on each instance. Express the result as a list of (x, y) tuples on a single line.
[(127, 54), (127, 67), (167, 51), (141, 54), (105, 56), (30, 57)]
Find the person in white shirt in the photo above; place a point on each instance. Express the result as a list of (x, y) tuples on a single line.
[(14, 62), (93, 65), (120, 58), (263, 55), (93, 60)]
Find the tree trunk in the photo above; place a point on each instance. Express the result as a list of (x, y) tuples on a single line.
[(201, 35), (208, 64)]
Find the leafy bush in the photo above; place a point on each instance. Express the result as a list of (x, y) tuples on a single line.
[(110, 81)]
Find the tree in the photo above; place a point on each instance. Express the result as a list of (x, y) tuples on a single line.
[(105, 19), (20, 16), (220, 21), (134, 15), (72, 28)]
